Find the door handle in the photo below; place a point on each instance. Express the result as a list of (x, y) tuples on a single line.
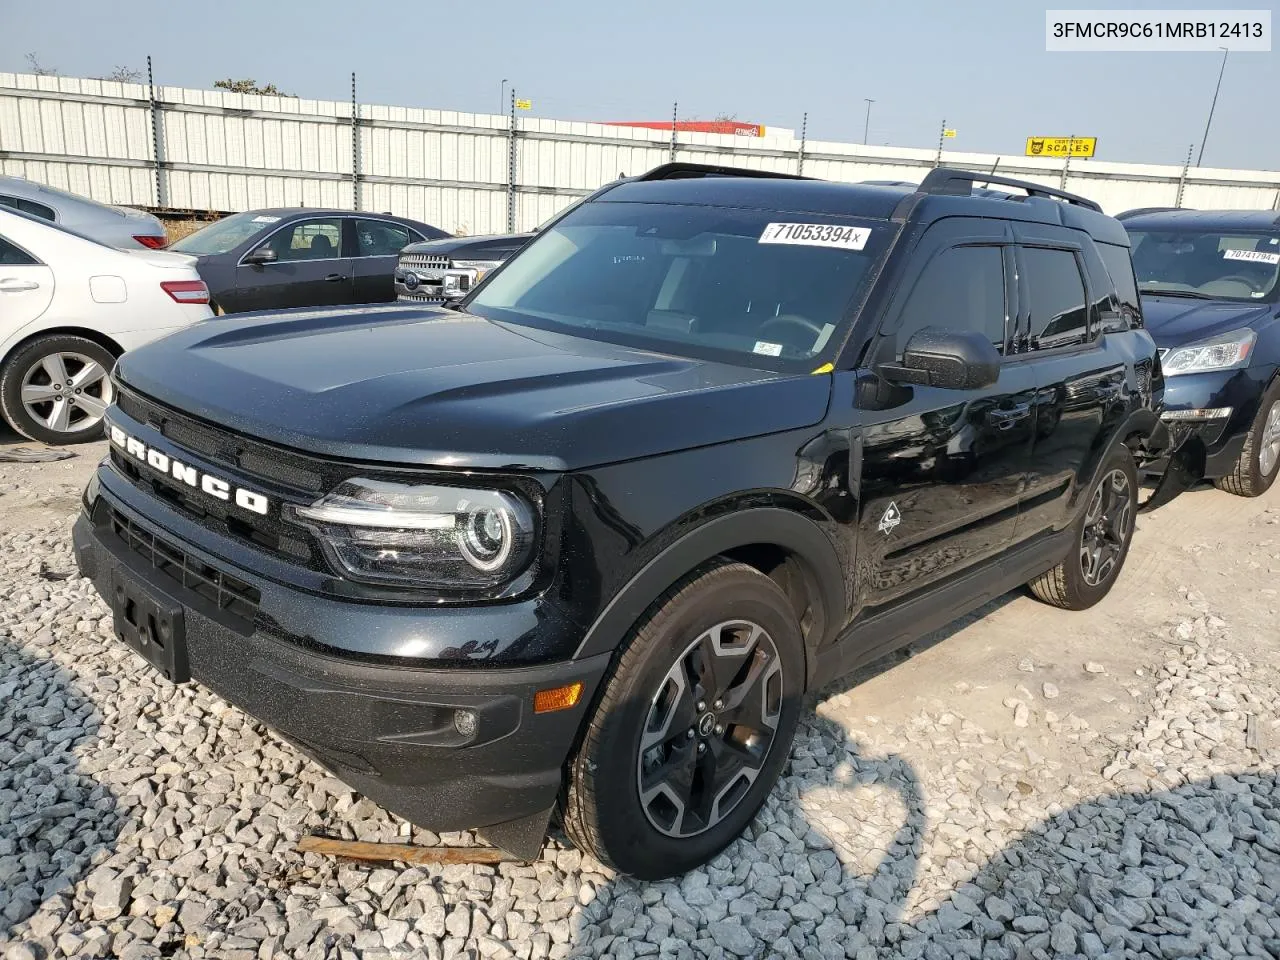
[(14, 285), (334, 278)]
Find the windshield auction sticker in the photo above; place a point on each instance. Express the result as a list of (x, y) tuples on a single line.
[(816, 235), (1256, 256)]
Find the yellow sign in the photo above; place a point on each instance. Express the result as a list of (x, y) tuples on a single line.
[(949, 133), (1058, 146), (524, 104)]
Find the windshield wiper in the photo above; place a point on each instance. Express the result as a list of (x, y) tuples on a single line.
[(1161, 292)]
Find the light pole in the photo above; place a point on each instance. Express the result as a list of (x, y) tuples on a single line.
[(502, 98), (866, 127), (1221, 71)]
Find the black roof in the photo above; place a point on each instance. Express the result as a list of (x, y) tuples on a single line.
[(872, 201), (1206, 220)]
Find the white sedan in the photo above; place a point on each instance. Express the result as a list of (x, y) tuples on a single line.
[(68, 307)]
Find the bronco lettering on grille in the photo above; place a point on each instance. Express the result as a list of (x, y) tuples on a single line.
[(188, 475)]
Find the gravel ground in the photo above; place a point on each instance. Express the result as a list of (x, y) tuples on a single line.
[(1040, 785)]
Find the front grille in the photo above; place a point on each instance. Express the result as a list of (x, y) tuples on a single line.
[(225, 592), (220, 446), (419, 261)]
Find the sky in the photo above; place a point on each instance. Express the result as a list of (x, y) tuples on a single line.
[(980, 66)]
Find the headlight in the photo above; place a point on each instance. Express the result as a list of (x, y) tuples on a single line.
[(481, 267), (1221, 353), (427, 535)]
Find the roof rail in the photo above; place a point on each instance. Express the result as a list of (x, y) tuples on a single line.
[(947, 180), (1139, 211), (686, 171)]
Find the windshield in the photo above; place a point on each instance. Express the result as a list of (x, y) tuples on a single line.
[(691, 279), (1221, 266), (224, 235)]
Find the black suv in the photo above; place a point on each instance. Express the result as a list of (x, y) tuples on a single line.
[(581, 543)]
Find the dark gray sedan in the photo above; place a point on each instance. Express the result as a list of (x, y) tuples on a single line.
[(299, 257)]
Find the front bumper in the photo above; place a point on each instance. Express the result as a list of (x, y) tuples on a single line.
[(388, 731), (1220, 438)]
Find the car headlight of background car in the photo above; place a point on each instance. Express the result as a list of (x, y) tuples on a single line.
[(427, 535), (481, 267), (1224, 352)]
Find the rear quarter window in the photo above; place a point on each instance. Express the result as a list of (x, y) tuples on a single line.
[(1120, 266)]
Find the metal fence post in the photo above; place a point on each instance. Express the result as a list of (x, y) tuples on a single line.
[(155, 133), (804, 130), (1182, 180), (511, 167), (355, 147), (675, 110)]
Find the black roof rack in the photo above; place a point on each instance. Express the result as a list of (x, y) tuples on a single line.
[(947, 180), (687, 171), (1139, 211)]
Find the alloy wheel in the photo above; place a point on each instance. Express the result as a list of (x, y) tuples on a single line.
[(1269, 443), (1107, 524), (709, 728), (66, 392)]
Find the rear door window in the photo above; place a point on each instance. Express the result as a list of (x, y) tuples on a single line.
[(1120, 266), (380, 238), (1058, 312), (11, 255)]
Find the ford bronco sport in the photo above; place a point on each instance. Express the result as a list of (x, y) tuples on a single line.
[(577, 544)]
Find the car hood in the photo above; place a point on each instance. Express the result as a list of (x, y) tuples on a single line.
[(474, 247), (1175, 321), (416, 385)]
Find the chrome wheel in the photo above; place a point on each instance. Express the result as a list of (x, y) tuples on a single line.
[(1269, 442), (1107, 525), (66, 392), (709, 728)]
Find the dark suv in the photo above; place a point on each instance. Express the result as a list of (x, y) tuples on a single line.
[(581, 543), (1210, 285)]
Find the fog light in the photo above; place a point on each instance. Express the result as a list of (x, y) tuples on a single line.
[(466, 722), (557, 698)]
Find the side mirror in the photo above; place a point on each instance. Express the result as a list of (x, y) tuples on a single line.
[(262, 255), (951, 359)]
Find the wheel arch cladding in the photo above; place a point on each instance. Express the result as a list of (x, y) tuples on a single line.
[(782, 544)]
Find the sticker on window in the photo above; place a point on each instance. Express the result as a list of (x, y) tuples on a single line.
[(1254, 256), (266, 219), (817, 235), (767, 349)]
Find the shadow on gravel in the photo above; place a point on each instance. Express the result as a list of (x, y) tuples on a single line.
[(53, 819), (1189, 872)]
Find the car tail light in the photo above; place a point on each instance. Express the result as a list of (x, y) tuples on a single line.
[(186, 291), (154, 243)]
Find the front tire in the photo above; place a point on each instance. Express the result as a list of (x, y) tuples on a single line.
[(56, 389), (693, 726), (1100, 539), (1255, 469)]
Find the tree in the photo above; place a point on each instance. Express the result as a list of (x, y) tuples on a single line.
[(250, 86), (124, 75), (39, 69)]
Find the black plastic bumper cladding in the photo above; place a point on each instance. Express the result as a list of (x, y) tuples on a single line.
[(388, 731)]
